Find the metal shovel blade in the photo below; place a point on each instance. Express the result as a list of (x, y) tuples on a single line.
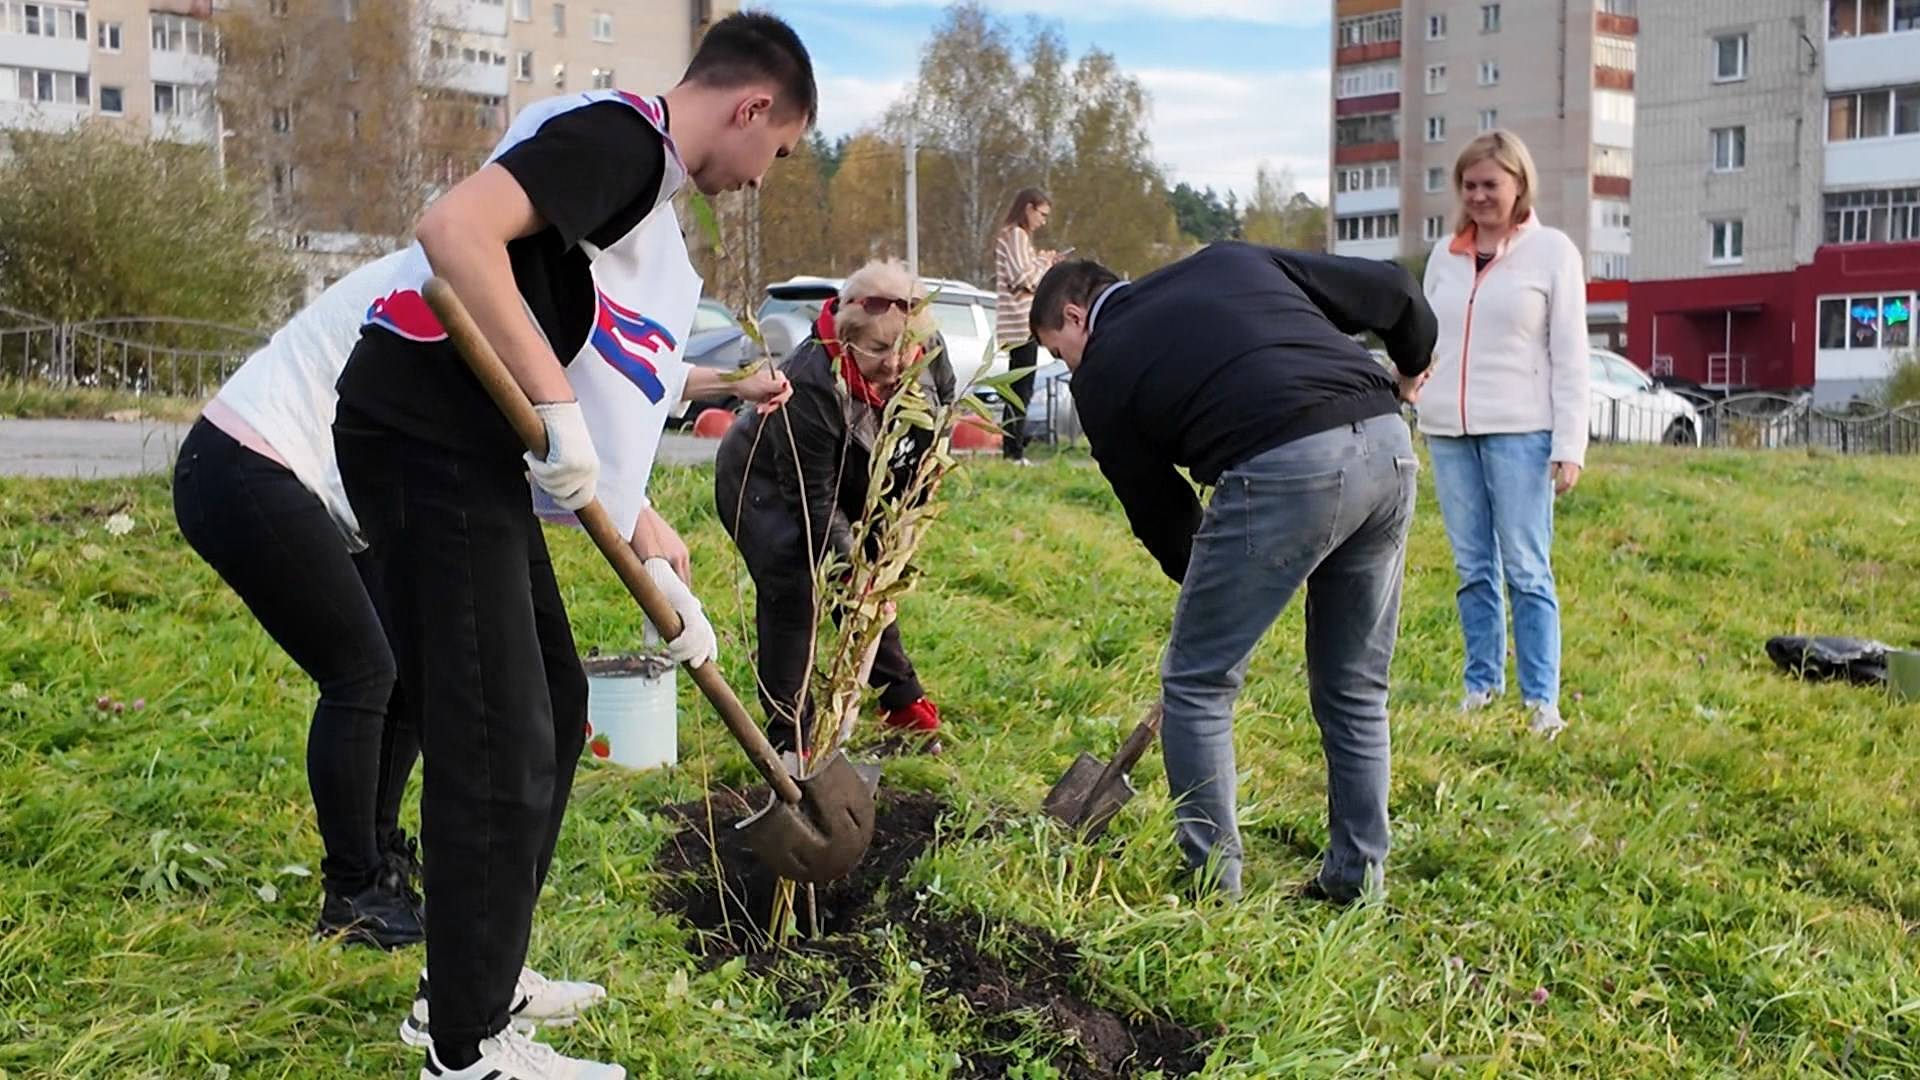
[(822, 837), (1081, 802)]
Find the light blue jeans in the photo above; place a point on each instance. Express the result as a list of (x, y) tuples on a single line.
[(1496, 497), (1328, 512)]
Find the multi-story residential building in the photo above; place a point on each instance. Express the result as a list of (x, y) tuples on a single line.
[(1415, 80), (556, 46), (144, 63), (1778, 193)]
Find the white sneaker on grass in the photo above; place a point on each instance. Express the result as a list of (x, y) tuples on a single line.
[(536, 1000), (511, 1055), (1547, 721), (1477, 700)]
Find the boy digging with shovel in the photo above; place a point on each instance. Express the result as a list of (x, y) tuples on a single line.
[(565, 249)]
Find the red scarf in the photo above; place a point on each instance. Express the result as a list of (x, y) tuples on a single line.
[(857, 384)]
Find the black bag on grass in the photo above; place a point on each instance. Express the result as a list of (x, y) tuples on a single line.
[(1856, 660)]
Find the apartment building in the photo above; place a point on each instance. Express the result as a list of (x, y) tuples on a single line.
[(1415, 80), (143, 63), (1778, 193), (557, 46)]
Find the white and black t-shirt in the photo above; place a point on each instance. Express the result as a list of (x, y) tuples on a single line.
[(592, 173)]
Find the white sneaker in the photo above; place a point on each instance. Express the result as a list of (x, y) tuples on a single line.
[(1547, 721), (511, 1055), (1477, 700), (536, 1000)]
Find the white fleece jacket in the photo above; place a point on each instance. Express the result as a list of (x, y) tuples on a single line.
[(1512, 355)]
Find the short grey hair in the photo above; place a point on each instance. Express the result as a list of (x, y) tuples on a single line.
[(882, 277)]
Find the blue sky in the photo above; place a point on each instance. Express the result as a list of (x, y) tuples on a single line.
[(1234, 82)]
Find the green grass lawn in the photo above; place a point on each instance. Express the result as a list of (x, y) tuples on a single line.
[(1712, 873)]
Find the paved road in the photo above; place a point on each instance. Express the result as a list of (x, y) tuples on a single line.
[(91, 449)]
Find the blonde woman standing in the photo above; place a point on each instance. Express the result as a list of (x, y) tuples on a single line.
[(1017, 269), (1505, 416)]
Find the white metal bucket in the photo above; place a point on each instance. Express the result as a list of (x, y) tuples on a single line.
[(631, 719)]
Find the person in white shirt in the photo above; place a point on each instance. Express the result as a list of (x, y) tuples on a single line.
[(1505, 415)]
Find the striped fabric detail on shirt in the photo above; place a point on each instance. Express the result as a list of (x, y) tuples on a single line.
[(1016, 270)]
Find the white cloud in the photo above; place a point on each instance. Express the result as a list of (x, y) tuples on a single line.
[(1216, 129), (1211, 129), (850, 102)]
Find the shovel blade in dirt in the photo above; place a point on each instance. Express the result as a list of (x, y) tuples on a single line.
[(1092, 791), (821, 837)]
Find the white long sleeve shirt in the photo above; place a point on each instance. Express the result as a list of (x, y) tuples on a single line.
[(1512, 356)]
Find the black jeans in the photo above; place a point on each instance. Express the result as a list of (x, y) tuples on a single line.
[(774, 547), (483, 646), (1013, 445), (274, 543)]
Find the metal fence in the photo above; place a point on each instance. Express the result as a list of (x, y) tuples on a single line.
[(1753, 421), (165, 356)]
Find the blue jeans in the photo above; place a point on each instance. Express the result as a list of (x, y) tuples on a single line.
[(1330, 512), (1496, 496)]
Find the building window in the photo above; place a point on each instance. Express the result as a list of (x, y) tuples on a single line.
[(1867, 322), (603, 78), (1613, 161), (1620, 54), (177, 33), (1366, 130), (112, 101), (1368, 80), (1854, 18), (602, 26), (1367, 178), (559, 20), (560, 76), (166, 99), (1436, 78), (523, 10), (1729, 149), (1436, 28), (1613, 214), (349, 10), (1436, 129), (109, 37), (1489, 73), (1885, 216), (282, 120), (1873, 114), (1377, 29), (1628, 8), (1730, 58), (53, 87), (1436, 179), (1489, 18), (1727, 242), (523, 65), (277, 8), (1364, 227), (353, 125), (1489, 119), (1608, 266), (1436, 228), (44, 20)]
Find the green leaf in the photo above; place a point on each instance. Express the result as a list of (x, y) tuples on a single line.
[(709, 224)]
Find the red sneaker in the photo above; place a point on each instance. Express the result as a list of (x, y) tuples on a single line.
[(920, 717)]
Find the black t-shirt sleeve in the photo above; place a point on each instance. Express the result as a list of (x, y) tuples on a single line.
[(591, 172)]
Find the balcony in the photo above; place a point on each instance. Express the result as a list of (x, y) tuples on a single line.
[(1367, 153), (47, 54), (1367, 54), (1613, 187), (1616, 25), (1606, 78), (1372, 103), (41, 116), (1871, 60)]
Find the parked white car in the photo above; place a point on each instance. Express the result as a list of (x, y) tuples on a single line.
[(1628, 406), (964, 313)]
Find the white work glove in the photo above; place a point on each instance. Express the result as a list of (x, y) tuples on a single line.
[(696, 644), (571, 467)]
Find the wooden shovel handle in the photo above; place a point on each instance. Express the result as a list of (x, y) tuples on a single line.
[(1137, 741), (512, 401)]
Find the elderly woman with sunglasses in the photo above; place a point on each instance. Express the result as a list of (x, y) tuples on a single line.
[(790, 485)]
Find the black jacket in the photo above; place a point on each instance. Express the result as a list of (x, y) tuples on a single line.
[(1231, 352), (818, 476)]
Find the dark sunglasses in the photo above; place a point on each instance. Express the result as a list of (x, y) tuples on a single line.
[(878, 305)]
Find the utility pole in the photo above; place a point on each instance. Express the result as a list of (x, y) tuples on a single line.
[(913, 197)]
